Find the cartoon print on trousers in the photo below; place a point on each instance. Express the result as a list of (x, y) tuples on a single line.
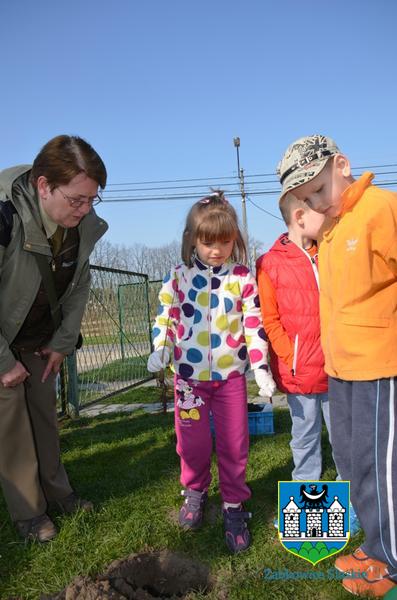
[(187, 401)]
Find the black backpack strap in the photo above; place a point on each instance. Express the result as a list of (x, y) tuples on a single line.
[(49, 286), (7, 211)]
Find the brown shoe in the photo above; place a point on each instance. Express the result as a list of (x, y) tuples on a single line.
[(39, 529), (73, 503), (358, 562)]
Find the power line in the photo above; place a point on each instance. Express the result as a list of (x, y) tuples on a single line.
[(161, 181), (174, 180), (263, 210), (180, 196), (192, 189), (186, 187), (194, 196), (169, 187)]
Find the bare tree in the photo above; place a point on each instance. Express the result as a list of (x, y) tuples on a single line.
[(154, 261), (106, 254), (137, 257), (256, 248)]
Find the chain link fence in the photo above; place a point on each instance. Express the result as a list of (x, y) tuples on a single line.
[(116, 330)]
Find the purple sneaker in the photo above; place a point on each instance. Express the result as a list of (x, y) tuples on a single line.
[(236, 531), (191, 512)]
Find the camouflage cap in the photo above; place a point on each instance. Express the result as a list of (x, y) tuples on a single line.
[(303, 160)]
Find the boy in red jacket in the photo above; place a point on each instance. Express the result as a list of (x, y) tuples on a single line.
[(289, 296)]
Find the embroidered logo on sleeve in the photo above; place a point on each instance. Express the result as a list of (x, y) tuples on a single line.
[(351, 245)]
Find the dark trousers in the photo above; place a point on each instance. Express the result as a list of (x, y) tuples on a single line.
[(31, 472), (364, 439)]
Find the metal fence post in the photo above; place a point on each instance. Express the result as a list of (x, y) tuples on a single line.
[(148, 312), (121, 319), (73, 387), (63, 389)]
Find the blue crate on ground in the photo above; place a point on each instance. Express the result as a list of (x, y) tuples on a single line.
[(260, 422)]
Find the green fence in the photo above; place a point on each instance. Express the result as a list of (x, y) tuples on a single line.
[(116, 329)]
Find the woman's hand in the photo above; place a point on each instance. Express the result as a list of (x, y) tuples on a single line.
[(54, 362), (15, 376)]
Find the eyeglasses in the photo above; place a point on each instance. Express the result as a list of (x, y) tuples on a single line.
[(75, 203)]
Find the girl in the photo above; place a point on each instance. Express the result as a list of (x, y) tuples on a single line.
[(209, 315)]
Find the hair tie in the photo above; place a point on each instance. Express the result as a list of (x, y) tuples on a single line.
[(213, 196)]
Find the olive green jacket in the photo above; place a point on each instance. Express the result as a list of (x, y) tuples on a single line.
[(21, 236)]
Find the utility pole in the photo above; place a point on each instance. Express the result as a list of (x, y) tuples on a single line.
[(240, 172)]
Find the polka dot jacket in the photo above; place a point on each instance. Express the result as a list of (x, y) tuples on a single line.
[(211, 318)]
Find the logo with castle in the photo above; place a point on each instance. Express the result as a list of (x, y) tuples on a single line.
[(313, 518)]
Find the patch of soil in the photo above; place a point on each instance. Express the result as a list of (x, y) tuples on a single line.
[(160, 575)]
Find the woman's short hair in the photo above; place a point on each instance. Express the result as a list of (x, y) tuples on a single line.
[(64, 157)]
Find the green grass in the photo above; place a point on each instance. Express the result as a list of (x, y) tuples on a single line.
[(138, 395), (121, 371), (114, 338), (118, 370), (128, 466)]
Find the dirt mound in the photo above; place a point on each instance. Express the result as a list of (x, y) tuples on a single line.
[(142, 577)]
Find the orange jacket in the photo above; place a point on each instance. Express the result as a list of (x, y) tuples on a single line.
[(358, 285)]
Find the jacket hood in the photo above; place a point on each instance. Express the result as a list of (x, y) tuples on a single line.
[(283, 245), (8, 177), (23, 195)]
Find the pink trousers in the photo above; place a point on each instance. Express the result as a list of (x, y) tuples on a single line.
[(227, 401)]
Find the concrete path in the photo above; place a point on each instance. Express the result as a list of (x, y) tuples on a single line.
[(101, 409)]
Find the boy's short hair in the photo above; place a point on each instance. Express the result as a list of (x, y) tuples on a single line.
[(303, 160), (288, 202)]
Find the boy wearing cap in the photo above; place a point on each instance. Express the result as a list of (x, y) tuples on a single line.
[(289, 297), (358, 311)]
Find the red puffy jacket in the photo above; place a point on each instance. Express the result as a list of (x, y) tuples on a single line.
[(293, 311)]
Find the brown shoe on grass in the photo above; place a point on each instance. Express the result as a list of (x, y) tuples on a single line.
[(38, 529), (73, 503)]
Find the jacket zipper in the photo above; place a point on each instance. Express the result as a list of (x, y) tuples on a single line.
[(295, 360), (296, 341), (315, 270), (314, 266), (209, 323), (330, 319), (53, 264)]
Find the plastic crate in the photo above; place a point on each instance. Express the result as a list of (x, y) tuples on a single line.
[(260, 422)]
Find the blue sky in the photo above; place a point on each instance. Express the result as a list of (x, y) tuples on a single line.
[(161, 88)]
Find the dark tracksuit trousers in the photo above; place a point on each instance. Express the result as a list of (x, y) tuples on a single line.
[(363, 417)]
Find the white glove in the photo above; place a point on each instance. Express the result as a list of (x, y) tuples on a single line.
[(158, 360), (265, 382)]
